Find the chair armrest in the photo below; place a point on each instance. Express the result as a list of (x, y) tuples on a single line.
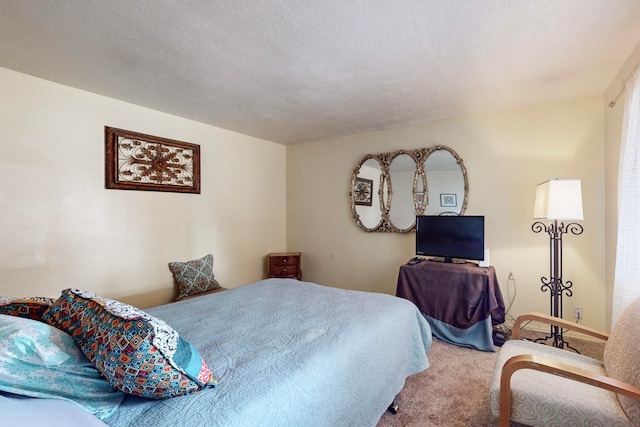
[(542, 364), (555, 321)]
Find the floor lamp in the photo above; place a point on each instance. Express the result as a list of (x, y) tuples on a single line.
[(557, 200)]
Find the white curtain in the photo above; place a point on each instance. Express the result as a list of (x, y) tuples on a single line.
[(626, 287)]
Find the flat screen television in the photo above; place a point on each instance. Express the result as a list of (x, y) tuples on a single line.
[(450, 237)]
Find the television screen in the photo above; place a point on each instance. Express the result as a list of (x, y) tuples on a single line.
[(449, 237)]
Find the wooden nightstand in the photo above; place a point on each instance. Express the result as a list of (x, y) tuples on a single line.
[(285, 265)]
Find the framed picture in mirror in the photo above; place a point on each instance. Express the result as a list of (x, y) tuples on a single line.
[(363, 192), (448, 200)]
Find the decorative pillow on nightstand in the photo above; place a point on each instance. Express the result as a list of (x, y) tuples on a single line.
[(136, 352), (194, 277), (28, 308)]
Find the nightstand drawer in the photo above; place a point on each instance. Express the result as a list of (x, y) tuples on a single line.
[(283, 261), (279, 270)]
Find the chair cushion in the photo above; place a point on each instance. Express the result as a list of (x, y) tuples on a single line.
[(622, 356), (541, 399), (194, 277)]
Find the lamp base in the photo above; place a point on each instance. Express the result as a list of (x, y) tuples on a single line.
[(557, 339)]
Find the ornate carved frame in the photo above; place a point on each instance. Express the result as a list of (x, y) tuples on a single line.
[(384, 159), (135, 161)]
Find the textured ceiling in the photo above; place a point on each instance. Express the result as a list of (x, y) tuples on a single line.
[(300, 70)]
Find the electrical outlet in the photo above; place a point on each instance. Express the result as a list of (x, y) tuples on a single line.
[(577, 312), (332, 256)]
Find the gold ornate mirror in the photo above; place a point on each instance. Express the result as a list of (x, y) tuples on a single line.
[(403, 167), (388, 190), (447, 184), (367, 200)]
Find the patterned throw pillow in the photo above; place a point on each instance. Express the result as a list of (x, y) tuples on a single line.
[(194, 277), (136, 352), (28, 308)]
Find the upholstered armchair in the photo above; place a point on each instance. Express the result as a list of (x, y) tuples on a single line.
[(539, 385)]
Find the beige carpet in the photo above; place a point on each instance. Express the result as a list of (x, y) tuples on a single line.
[(454, 391)]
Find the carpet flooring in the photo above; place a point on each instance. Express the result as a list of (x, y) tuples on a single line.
[(454, 390)]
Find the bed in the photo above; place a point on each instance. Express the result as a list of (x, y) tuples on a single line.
[(289, 353)]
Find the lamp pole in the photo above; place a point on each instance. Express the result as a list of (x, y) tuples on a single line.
[(554, 284)]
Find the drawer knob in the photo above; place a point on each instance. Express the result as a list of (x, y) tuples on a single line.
[(284, 271), (284, 260)]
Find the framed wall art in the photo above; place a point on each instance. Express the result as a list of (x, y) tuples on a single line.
[(363, 192), (135, 161), (448, 200)]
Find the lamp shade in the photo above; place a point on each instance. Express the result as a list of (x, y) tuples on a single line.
[(559, 199)]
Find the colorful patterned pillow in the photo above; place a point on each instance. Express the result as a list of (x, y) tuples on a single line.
[(194, 277), (136, 352), (38, 360), (28, 308)]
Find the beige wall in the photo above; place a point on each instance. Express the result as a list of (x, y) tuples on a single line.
[(613, 124), (60, 228), (506, 154)]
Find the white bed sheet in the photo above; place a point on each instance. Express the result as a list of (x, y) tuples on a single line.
[(34, 412)]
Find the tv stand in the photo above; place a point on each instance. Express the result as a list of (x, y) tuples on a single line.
[(461, 297)]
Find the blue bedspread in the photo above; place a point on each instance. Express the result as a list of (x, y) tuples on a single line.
[(289, 353)]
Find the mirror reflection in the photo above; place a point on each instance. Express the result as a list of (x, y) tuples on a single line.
[(365, 194), (388, 190), (402, 171), (445, 183), (420, 194)]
